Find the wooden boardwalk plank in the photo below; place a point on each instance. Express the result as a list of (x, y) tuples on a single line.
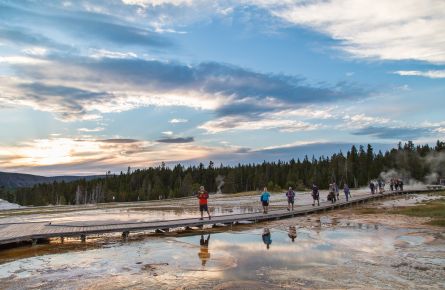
[(25, 231)]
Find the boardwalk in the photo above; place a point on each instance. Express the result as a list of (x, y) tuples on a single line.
[(31, 232)]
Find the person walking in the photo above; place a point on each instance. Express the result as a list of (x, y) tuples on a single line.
[(290, 194), (265, 196), (337, 193), (331, 195), (372, 187), (315, 195), (347, 192), (203, 196)]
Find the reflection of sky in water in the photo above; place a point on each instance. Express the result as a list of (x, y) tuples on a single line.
[(233, 255), (162, 210)]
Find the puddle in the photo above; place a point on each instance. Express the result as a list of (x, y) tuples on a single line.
[(284, 255), (154, 210), (409, 200)]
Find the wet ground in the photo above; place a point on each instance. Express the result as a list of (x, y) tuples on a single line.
[(155, 210), (339, 250)]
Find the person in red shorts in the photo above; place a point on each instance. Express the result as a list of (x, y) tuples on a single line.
[(203, 195)]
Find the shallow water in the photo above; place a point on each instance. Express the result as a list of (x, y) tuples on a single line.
[(157, 210), (322, 256)]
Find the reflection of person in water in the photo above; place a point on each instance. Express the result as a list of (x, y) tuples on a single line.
[(292, 233), (204, 254), (267, 238)]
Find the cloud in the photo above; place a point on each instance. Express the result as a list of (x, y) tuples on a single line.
[(19, 36), (258, 123), (145, 3), (77, 25), (66, 102), (388, 30), (97, 129), (119, 141), (176, 121), (433, 74), (88, 87), (176, 140), (399, 133), (362, 120), (286, 152), (168, 133), (59, 156)]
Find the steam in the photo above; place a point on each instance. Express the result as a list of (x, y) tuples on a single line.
[(220, 181), (434, 161), (431, 178)]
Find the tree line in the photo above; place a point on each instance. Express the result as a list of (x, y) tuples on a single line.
[(356, 168)]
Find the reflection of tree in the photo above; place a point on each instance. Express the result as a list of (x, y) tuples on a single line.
[(204, 254)]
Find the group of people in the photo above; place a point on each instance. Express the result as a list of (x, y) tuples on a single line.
[(396, 184), (333, 196), (379, 185)]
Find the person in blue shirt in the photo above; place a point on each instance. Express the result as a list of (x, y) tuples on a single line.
[(265, 196)]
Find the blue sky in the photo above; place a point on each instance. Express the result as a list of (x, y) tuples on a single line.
[(92, 86)]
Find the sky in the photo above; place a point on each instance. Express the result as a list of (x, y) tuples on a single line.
[(93, 86)]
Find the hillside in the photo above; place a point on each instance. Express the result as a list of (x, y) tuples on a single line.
[(15, 180)]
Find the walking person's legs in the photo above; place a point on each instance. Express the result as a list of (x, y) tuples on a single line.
[(208, 212), (201, 209)]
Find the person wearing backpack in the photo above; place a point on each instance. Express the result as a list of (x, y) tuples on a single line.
[(315, 195), (265, 196), (347, 192), (203, 196), (290, 194)]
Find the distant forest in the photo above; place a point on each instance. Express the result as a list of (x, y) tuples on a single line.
[(356, 168)]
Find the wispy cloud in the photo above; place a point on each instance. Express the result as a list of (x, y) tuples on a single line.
[(397, 133), (119, 141), (229, 123), (59, 155), (97, 26), (176, 121), (176, 140), (87, 130), (87, 87), (389, 30), (168, 133), (433, 74)]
